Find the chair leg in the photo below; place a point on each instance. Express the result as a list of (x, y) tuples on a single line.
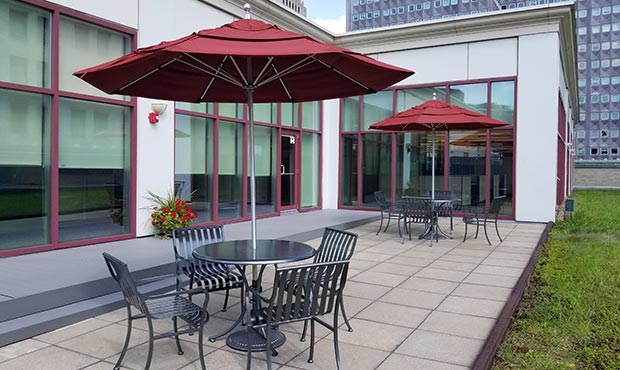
[(344, 315), (226, 298), (149, 356), (388, 223), (477, 228), (176, 337), (465, 237), (381, 224), (268, 345), (485, 232), (126, 345), (303, 332), (336, 349), (311, 356), (203, 319), (497, 231)]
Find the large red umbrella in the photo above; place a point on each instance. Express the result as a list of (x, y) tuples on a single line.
[(245, 61), (435, 115)]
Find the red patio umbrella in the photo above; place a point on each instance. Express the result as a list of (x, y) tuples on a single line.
[(245, 61), (435, 115)]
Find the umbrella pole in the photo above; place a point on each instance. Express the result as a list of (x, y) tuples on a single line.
[(433, 167), (252, 175)]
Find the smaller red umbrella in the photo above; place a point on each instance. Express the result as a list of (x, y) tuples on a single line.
[(435, 115)]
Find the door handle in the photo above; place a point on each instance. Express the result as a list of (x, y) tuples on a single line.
[(282, 169)]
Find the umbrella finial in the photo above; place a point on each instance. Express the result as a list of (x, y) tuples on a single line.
[(247, 9), (434, 96)]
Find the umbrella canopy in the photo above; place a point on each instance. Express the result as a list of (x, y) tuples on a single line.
[(220, 64), (245, 61), (435, 115)]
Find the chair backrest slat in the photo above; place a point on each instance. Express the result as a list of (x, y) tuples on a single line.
[(417, 209), (381, 200), (496, 206), (336, 245), (185, 240), (119, 271), (303, 291)]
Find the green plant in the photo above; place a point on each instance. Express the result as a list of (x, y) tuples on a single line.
[(169, 213)]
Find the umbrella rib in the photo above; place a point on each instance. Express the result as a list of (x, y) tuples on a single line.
[(264, 70), (302, 63), (217, 71), (147, 74), (245, 80), (344, 75), (288, 93), (211, 71)]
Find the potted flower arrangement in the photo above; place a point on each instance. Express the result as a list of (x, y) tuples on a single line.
[(169, 213)]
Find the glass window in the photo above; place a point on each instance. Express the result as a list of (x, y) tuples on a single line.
[(208, 108), (290, 114), (594, 151), (362, 16), (606, 10), (376, 14), (604, 115), (26, 54), (310, 154), (581, 48), (376, 107), (615, 27), (233, 110), (24, 169), (418, 6), (311, 115), (615, 98), (615, 62), (386, 12), (582, 99), (502, 101), (470, 96), (265, 112), (401, 9), (614, 133), (583, 13), (265, 151), (454, 2), (593, 134), (614, 151), (84, 45), (615, 9), (581, 65), (414, 161), (501, 168), (596, 12), (411, 8), (615, 115), (594, 116), (377, 168), (467, 165), (604, 150), (194, 159), (605, 98), (594, 81), (427, 5), (605, 63), (582, 31), (94, 169), (348, 174), (595, 64), (604, 133), (615, 45), (595, 46), (595, 29), (605, 45), (615, 80), (230, 169), (606, 27), (581, 134), (407, 98), (355, 17), (437, 3), (393, 11), (582, 117), (581, 82), (350, 113), (369, 15)]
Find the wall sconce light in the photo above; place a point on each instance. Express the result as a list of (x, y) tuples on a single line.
[(158, 108)]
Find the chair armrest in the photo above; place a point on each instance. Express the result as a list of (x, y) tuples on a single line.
[(152, 279)]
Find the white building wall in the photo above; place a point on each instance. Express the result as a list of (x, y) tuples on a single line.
[(108, 10), (536, 132), (330, 152)]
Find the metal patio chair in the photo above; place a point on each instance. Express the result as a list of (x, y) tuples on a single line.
[(385, 206), (444, 209), (417, 210), (336, 245), (317, 291), (176, 305), (474, 216), (212, 276)]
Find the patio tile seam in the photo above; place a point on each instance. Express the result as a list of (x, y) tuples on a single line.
[(108, 324), (421, 358)]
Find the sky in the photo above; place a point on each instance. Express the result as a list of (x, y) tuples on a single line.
[(327, 13)]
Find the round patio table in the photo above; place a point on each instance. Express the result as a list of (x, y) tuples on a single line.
[(240, 253)]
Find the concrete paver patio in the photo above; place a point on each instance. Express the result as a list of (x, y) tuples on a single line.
[(411, 307)]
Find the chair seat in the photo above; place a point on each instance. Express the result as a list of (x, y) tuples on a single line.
[(214, 276), (179, 306)]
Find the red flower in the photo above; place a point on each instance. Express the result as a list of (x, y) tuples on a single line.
[(162, 219), (165, 209), (153, 223)]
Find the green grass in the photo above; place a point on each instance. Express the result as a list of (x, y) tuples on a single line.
[(569, 317)]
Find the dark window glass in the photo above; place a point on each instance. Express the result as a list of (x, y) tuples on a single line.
[(348, 176), (376, 166)]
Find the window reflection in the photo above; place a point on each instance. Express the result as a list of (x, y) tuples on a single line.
[(377, 166), (414, 163), (376, 107), (408, 98), (230, 169), (503, 101), (470, 96), (468, 166), (348, 178)]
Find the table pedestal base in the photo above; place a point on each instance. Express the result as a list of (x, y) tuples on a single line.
[(239, 340)]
